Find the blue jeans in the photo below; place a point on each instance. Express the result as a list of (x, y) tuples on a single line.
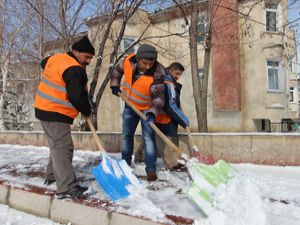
[(130, 122)]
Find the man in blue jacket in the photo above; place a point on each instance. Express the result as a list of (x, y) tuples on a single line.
[(172, 109)]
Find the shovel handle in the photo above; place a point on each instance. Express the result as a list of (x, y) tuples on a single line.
[(96, 138), (152, 125), (191, 139)]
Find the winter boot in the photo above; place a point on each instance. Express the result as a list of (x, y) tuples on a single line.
[(151, 176), (73, 193)]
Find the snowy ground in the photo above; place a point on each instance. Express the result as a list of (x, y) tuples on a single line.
[(259, 195), (9, 216)]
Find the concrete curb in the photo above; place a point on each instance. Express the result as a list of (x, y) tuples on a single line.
[(64, 211), (33, 203), (77, 214), (117, 219), (4, 193)]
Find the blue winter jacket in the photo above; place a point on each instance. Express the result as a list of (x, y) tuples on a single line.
[(172, 108)]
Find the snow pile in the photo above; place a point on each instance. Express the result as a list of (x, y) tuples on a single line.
[(237, 203), (137, 205), (9, 216)]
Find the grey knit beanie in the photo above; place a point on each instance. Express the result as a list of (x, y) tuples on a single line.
[(146, 51)]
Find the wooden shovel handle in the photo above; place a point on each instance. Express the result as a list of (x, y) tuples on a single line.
[(191, 139), (96, 138), (152, 125)]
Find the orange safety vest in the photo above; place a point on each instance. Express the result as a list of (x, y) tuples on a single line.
[(162, 117), (138, 92), (52, 93)]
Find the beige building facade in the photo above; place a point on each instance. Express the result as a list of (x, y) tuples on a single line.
[(264, 74)]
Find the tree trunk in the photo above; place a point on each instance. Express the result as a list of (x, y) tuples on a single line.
[(197, 90), (204, 88), (128, 12), (4, 71), (112, 63)]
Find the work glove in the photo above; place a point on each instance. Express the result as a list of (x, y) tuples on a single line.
[(150, 117), (115, 91)]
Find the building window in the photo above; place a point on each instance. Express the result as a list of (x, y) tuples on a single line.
[(126, 42), (291, 94), (271, 14), (291, 65), (273, 75)]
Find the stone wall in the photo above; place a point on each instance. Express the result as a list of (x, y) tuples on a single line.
[(262, 148)]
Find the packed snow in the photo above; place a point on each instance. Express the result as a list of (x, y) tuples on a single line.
[(9, 216), (257, 195)]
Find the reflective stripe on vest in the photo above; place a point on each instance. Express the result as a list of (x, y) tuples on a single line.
[(53, 99), (52, 94), (138, 92), (49, 83), (133, 99)]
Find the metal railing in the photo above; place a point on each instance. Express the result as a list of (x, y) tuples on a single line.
[(286, 126)]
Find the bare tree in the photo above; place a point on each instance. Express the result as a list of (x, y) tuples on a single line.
[(15, 41), (125, 10)]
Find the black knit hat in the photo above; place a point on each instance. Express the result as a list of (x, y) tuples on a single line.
[(146, 51), (84, 45)]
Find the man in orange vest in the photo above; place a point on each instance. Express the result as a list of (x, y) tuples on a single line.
[(143, 86), (61, 95), (168, 119)]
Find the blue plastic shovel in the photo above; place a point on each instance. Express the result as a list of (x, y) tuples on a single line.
[(115, 177)]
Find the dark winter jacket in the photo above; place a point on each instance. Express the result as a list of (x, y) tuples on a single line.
[(172, 108), (75, 78), (156, 90)]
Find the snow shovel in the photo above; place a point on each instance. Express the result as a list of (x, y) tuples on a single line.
[(206, 180), (114, 177), (206, 159), (184, 156)]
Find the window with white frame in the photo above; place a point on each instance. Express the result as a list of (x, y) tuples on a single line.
[(125, 44), (274, 76), (292, 94), (291, 65), (271, 16)]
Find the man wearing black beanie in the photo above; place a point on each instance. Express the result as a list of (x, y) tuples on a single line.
[(61, 95)]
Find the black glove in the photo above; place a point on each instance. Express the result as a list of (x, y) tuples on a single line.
[(150, 117), (115, 91)]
